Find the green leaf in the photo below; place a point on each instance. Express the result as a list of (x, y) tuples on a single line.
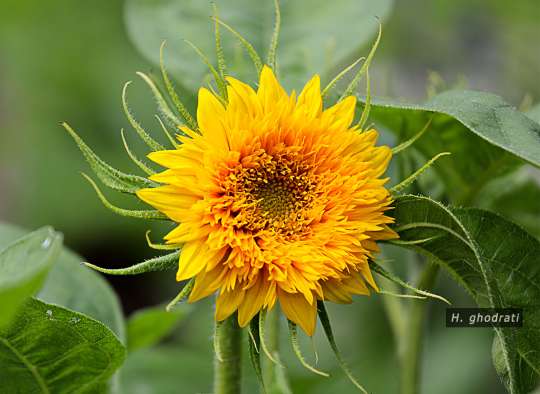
[(76, 287), (9, 233), (516, 197), (494, 260), (167, 369), (534, 113), (483, 132), (333, 33), (24, 264), (49, 349), (146, 327)]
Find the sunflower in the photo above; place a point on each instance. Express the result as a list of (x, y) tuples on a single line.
[(276, 199)]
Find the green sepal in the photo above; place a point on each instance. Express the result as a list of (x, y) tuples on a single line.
[(393, 278), (367, 107), (405, 144), (257, 62), (138, 162), (220, 82), (254, 353), (149, 141), (222, 65), (293, 335), (339, 76), (262, 336), (110, 176), (160, 246), (182, 295), (356, 79), (411, 178), (171, 139), (133, 213), (160, 263), (163, 107), (323, 316), (271, 59), (180, 107)]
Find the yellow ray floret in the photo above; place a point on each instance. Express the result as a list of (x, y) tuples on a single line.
[(276, 199)]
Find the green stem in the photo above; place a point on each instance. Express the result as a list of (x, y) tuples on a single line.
[(228, 365), (394, 311), (274, 375), (411, 355)]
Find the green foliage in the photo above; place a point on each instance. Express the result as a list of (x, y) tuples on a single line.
[(515, 196), (148, 326), (479, 249), (47, 348), (483, 133), (80, 289), (534, 113), (495, 261), (50, 349), (24, 264), (167, 369), (315, 43)]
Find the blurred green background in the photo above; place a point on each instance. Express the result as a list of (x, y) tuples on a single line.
[(62, 60)]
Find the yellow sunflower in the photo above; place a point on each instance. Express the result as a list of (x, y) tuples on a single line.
[(276, 198)]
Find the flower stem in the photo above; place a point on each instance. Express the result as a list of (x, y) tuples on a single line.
[(228, 365), (274, 374), (411, 346)]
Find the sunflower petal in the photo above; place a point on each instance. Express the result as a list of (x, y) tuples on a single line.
[(227, 303), (298, 310)]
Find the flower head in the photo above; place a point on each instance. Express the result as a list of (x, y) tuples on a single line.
[(276, 199)]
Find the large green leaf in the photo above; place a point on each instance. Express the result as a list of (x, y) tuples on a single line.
[(483, 132), (148, 326), (516, 197), (24, 264), (495, 261), (79, 288), (167, 370), (534, 113), (49, 349), (310, 42), (9, 233), (74, 286)]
